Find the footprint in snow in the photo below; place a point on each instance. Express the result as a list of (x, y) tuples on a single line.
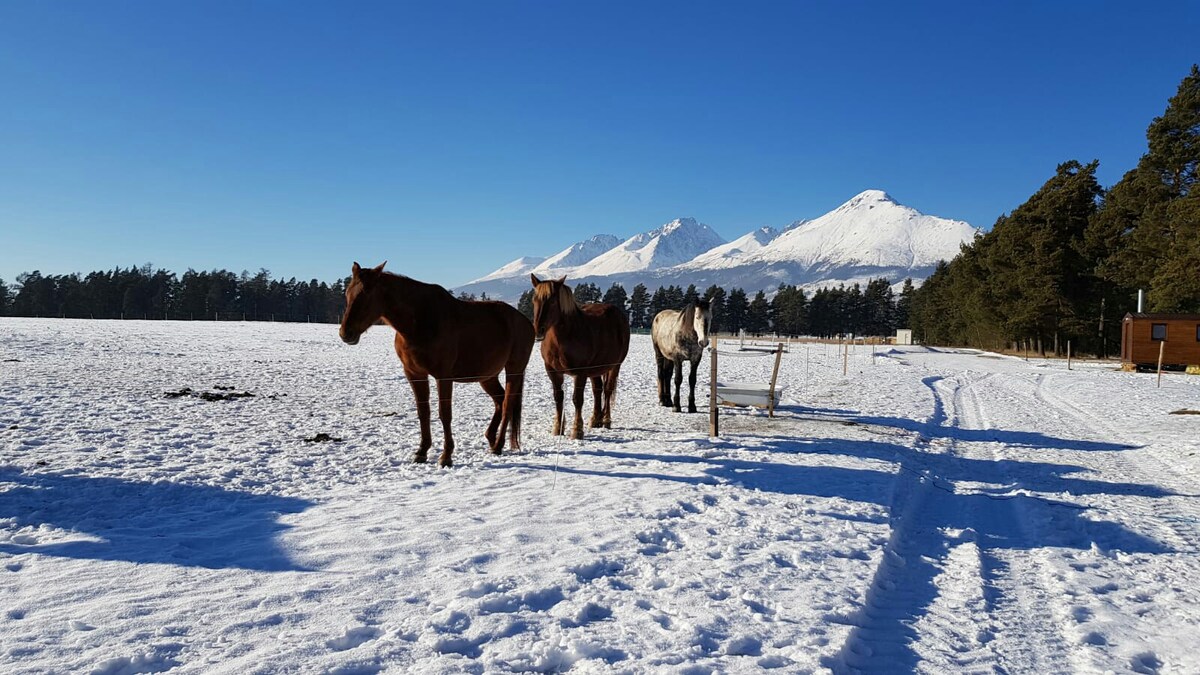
[(596, 570), (353, 638), (1147, 663)]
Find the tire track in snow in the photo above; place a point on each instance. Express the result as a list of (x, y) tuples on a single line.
[(1169, 510), (1025, 638), (930, 578)]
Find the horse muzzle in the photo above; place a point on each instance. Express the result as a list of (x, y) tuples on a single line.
[(349, 340)]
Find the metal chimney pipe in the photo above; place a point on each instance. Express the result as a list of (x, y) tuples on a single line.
[(1141, 300)]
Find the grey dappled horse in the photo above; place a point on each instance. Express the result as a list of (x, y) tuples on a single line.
[(679, 335)]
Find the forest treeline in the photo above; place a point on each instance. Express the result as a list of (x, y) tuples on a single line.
[(148, 293), (871, 310), (1067, 264)]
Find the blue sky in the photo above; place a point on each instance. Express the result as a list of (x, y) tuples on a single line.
[(451, 137)]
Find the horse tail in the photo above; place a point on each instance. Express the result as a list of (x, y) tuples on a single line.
[(517, 382), (610, 387)]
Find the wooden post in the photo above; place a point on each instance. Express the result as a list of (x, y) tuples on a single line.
[(1161, 345), (774, 377), (714, 426), (845, 359), (1068, 354)]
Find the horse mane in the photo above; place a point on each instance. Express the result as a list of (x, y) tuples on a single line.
[(688, 314), (435, 289), (566, 301)]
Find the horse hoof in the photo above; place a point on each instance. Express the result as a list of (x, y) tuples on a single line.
[(445, 462), (677, 409), (692, 409), (577, 435), (420, 458)]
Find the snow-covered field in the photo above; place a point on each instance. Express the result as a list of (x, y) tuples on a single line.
[(935, 511)]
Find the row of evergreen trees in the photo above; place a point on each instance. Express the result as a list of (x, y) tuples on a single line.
[(873, 310), (1066, 264), (148, 293)]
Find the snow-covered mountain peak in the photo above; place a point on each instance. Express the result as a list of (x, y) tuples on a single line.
[(870, 229), (579, 253), (869, 235), (671, 244)]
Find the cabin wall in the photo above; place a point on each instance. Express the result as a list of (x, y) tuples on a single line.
[(1182, 348)]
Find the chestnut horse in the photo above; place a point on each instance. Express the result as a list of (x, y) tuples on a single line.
[(449, 339), (583, 341)]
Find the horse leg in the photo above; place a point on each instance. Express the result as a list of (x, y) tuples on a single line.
[(692, 387), (445, 392), (496, 391), (556, 384), (678, 368), (664, 377), (420, 387), (514, 386), (610, 390), (597, 402), (577, 399)]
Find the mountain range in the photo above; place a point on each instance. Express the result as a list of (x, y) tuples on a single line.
[(867, 237)]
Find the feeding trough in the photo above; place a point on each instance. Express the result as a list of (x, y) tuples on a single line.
[(756, 394)]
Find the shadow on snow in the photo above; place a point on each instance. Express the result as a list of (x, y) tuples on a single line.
[(929, 518), (140, 522)]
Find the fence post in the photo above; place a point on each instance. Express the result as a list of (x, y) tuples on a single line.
[(774, 377), (1068, 354), (713, 419), (1161, 345), (845, 359)]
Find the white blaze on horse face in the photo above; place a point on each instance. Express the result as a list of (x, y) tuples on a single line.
[(700, 321)]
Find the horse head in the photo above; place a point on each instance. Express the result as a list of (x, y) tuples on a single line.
[(364, 302), (553, 302), (700, 316)]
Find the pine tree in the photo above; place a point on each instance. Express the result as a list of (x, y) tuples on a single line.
[(674, 297), (525, 304), (788, 310), (758, 314), (658, 302), (691, 296), (715, 295), (879, 311), (4, 299), (587, 293), (904, 304), (639, 306), (736, 306), (1144, 235), (615, 296)]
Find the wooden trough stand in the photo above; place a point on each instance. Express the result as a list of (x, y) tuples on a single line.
[(752, 394)]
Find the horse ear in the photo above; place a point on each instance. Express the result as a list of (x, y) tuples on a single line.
[(534, 279), (355, 269), (379, 267), (561, 280)]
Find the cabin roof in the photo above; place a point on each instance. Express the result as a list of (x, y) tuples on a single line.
[(1149, 316)]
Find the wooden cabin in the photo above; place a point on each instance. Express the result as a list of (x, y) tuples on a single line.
[(1177, 334)]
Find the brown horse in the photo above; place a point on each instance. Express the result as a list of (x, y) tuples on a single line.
[(583, 341), (449, 339)]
